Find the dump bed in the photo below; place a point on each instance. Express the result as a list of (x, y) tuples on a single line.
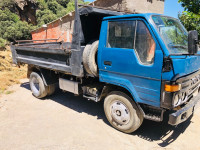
[(49, 55)]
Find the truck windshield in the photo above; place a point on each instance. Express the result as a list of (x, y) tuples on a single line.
[(173, 34)]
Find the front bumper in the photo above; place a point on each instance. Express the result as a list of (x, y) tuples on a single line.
[(184, 113)]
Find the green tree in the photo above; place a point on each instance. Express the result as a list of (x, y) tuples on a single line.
[(7, 15), (63, 2), (190, 18), (2, 43), (11, 28), (41, 4), (50, 10), (71, 5), (6, 4), (191, 6), (45, 16), (53, 6)]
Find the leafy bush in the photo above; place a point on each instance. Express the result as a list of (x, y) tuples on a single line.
[(53, 6), (45, 16), (63, 2), (7, 15), (191, 5), (41, 4), (190, 20), (11, 28), (71, 5), (2, 43), (7, 3)]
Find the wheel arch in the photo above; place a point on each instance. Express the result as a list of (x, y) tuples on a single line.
[(49, 77), (110, 88), (32, 68)]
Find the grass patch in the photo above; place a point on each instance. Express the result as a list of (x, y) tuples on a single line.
[(9, 74), (8, 92)]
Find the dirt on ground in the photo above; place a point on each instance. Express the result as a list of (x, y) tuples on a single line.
[(67, 122), (10, 74)]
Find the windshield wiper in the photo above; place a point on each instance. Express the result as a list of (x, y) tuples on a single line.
[(184, 55), (180, 55), (179, 46)]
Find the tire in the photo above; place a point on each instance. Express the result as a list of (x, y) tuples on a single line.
[(122, 112), (85, 58), (51, 89), (37, 85), (89, 58)]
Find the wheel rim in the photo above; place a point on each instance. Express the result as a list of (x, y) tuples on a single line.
[(36, 87), (120, 112)]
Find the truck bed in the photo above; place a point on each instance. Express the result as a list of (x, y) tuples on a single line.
[(55, 56)]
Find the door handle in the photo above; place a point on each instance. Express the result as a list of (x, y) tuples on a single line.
[(108, 63)]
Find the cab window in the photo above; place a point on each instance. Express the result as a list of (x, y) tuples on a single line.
[(144, 44), (132, 35), (121, 34)]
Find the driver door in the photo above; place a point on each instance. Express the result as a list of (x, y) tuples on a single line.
[(132, 58)]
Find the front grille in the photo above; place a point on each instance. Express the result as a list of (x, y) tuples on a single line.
[(190, 84)]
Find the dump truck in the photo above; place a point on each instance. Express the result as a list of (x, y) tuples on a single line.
[(143, 66)]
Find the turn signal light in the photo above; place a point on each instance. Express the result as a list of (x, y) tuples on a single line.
[(172, 88)]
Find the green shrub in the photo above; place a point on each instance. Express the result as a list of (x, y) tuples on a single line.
[(45, 16), (53, 6), (63, 2), (2, 43)]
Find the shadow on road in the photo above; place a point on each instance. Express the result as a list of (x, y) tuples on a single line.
[(156, 131), (150, 130)]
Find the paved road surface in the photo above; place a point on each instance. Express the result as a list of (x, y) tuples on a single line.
[(66, 122)]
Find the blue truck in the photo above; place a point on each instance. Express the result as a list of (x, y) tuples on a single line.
[(143, 66)]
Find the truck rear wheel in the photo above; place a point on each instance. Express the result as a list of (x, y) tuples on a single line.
[(37, 85), (122, 112), (90, 58)]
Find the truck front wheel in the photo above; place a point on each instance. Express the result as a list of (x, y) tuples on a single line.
[(122, 112), (37, 85)]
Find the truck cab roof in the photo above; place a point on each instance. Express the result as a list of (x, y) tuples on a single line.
[(145, 15)]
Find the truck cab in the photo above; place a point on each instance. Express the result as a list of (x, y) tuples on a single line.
[(148, 55)]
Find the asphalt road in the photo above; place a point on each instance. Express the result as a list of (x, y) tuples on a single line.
[(66, 122)]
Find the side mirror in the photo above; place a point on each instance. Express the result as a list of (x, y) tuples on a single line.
[(193, 42)]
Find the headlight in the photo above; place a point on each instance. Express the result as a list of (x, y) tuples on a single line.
[(178, 98)]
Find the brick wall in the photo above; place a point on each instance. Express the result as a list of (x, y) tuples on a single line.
[(61, 29)]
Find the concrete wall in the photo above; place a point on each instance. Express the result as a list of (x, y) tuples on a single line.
[(145, 6), (138, 6), (62, 29)]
